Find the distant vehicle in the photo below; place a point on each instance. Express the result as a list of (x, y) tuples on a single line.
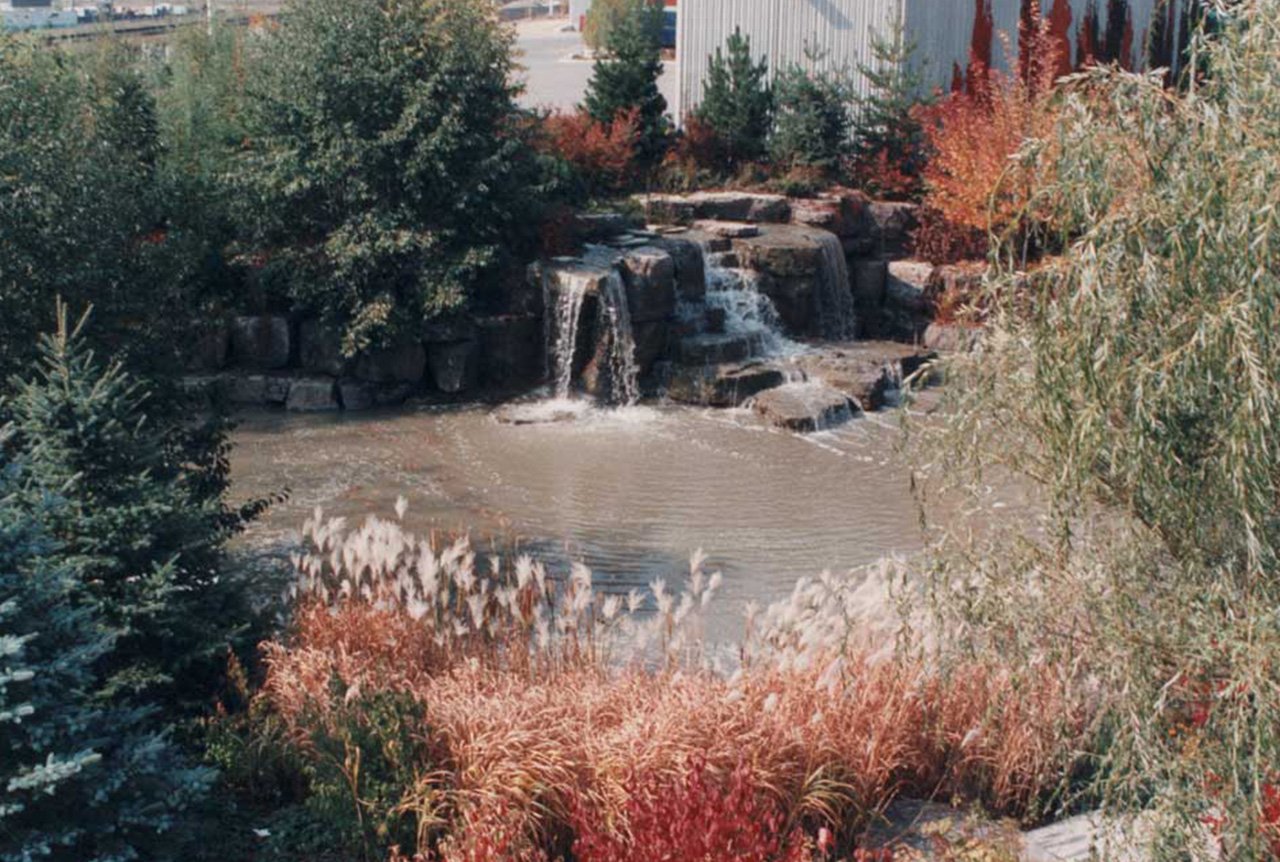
[(669, 22)]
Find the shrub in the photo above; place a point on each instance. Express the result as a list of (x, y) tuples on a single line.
[(624, 83), (737, 104), (386, 174), (1133, 382), (602, 18), (888, 151), (812, 124), (601, 155)]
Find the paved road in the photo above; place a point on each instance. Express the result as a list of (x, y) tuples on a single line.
[(552, 78)]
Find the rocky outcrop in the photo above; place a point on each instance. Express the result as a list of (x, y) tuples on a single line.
[(805, 407), (730, 385), (720, 206), (690, 270), (260, 341), (649, 273), (320, 348)]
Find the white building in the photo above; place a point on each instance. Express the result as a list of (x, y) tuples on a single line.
[(841, 31)]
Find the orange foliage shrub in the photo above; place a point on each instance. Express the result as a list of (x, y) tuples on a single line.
[(603, 155), (974, 185)]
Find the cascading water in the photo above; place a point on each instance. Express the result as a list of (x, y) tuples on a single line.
[(835, 293), (564, 309), (624, 375), (747, 310)]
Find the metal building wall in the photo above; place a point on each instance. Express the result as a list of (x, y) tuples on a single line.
[(781, 29)]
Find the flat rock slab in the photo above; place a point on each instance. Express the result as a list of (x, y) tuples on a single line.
[(867, 371), (727, 229), (805, 407), (728, 385), (701, 350)]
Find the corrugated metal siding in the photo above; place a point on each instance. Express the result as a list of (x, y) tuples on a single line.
[(781, 29)]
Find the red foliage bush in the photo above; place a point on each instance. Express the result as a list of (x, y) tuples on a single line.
[(699, 156), (698, 818), (603, 155)]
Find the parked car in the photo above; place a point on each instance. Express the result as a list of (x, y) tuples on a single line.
[(669, 22)]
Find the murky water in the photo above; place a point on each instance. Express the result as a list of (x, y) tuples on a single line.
[(631, 492)]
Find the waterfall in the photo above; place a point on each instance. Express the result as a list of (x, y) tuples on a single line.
[(563, 310), (835, 292), (747, 310), (624, 375)]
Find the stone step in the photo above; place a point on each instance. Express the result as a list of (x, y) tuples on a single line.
[(729, 385)]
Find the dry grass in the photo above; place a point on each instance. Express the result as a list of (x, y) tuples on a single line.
[(535, 723)]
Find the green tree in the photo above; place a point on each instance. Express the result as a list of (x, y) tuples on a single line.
[(81, 777), (888, 148), (386, 175), (141, 522), (737, 102), (601, 19), (812, 125), (80, 213), (626, 79)]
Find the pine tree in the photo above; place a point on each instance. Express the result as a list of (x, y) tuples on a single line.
[(737, 102), (888, 138), (81, 778), (813, 121), (141, 523), (627, 78)]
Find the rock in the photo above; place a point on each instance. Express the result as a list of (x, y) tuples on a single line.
[(870, 278), (907, 285), (209, 349), (727, 229), (804, 407), (717, 349), (650, 276), (511, 351), (260, 341), (794, 298), (892, 223), (320, 348), (652, 341), (594, 227), (952, 337), (404, 363), (724, 385), (818, 212), (442, 330), (867, 371), (355, 395), (666, 209), (781, 251), (586, 275), (715, 320), (720, 206), (454, 366), (691, 274), (312, 395), (257, 389)]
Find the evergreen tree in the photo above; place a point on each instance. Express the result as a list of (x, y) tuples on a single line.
[(626, 79), (813, 121), (141, 524), (888, 137), (81, 777), (737, 102)]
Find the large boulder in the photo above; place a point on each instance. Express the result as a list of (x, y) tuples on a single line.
[(780, 251), (652, 342), (729, 385), (403, 363), (258, 389), (721, 206), (690, 266), (356, 395), (892, 224), (454, 366), (320, 348), (650, 276), (870, 372), (260, 341), (700, 350), (512, 351), (312, 395), (804, 407)]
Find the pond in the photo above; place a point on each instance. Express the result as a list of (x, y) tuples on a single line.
[(631, 492)]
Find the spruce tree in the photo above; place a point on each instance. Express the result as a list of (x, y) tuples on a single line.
[(626, 78), (737, 102), (888, 138), (141, 524), (81, 777), (813, 120)]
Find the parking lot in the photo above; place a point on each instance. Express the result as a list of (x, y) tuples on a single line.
[(553, 79)]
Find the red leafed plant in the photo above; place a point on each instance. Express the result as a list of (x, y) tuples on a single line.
[(698, 818), (603, 154)]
